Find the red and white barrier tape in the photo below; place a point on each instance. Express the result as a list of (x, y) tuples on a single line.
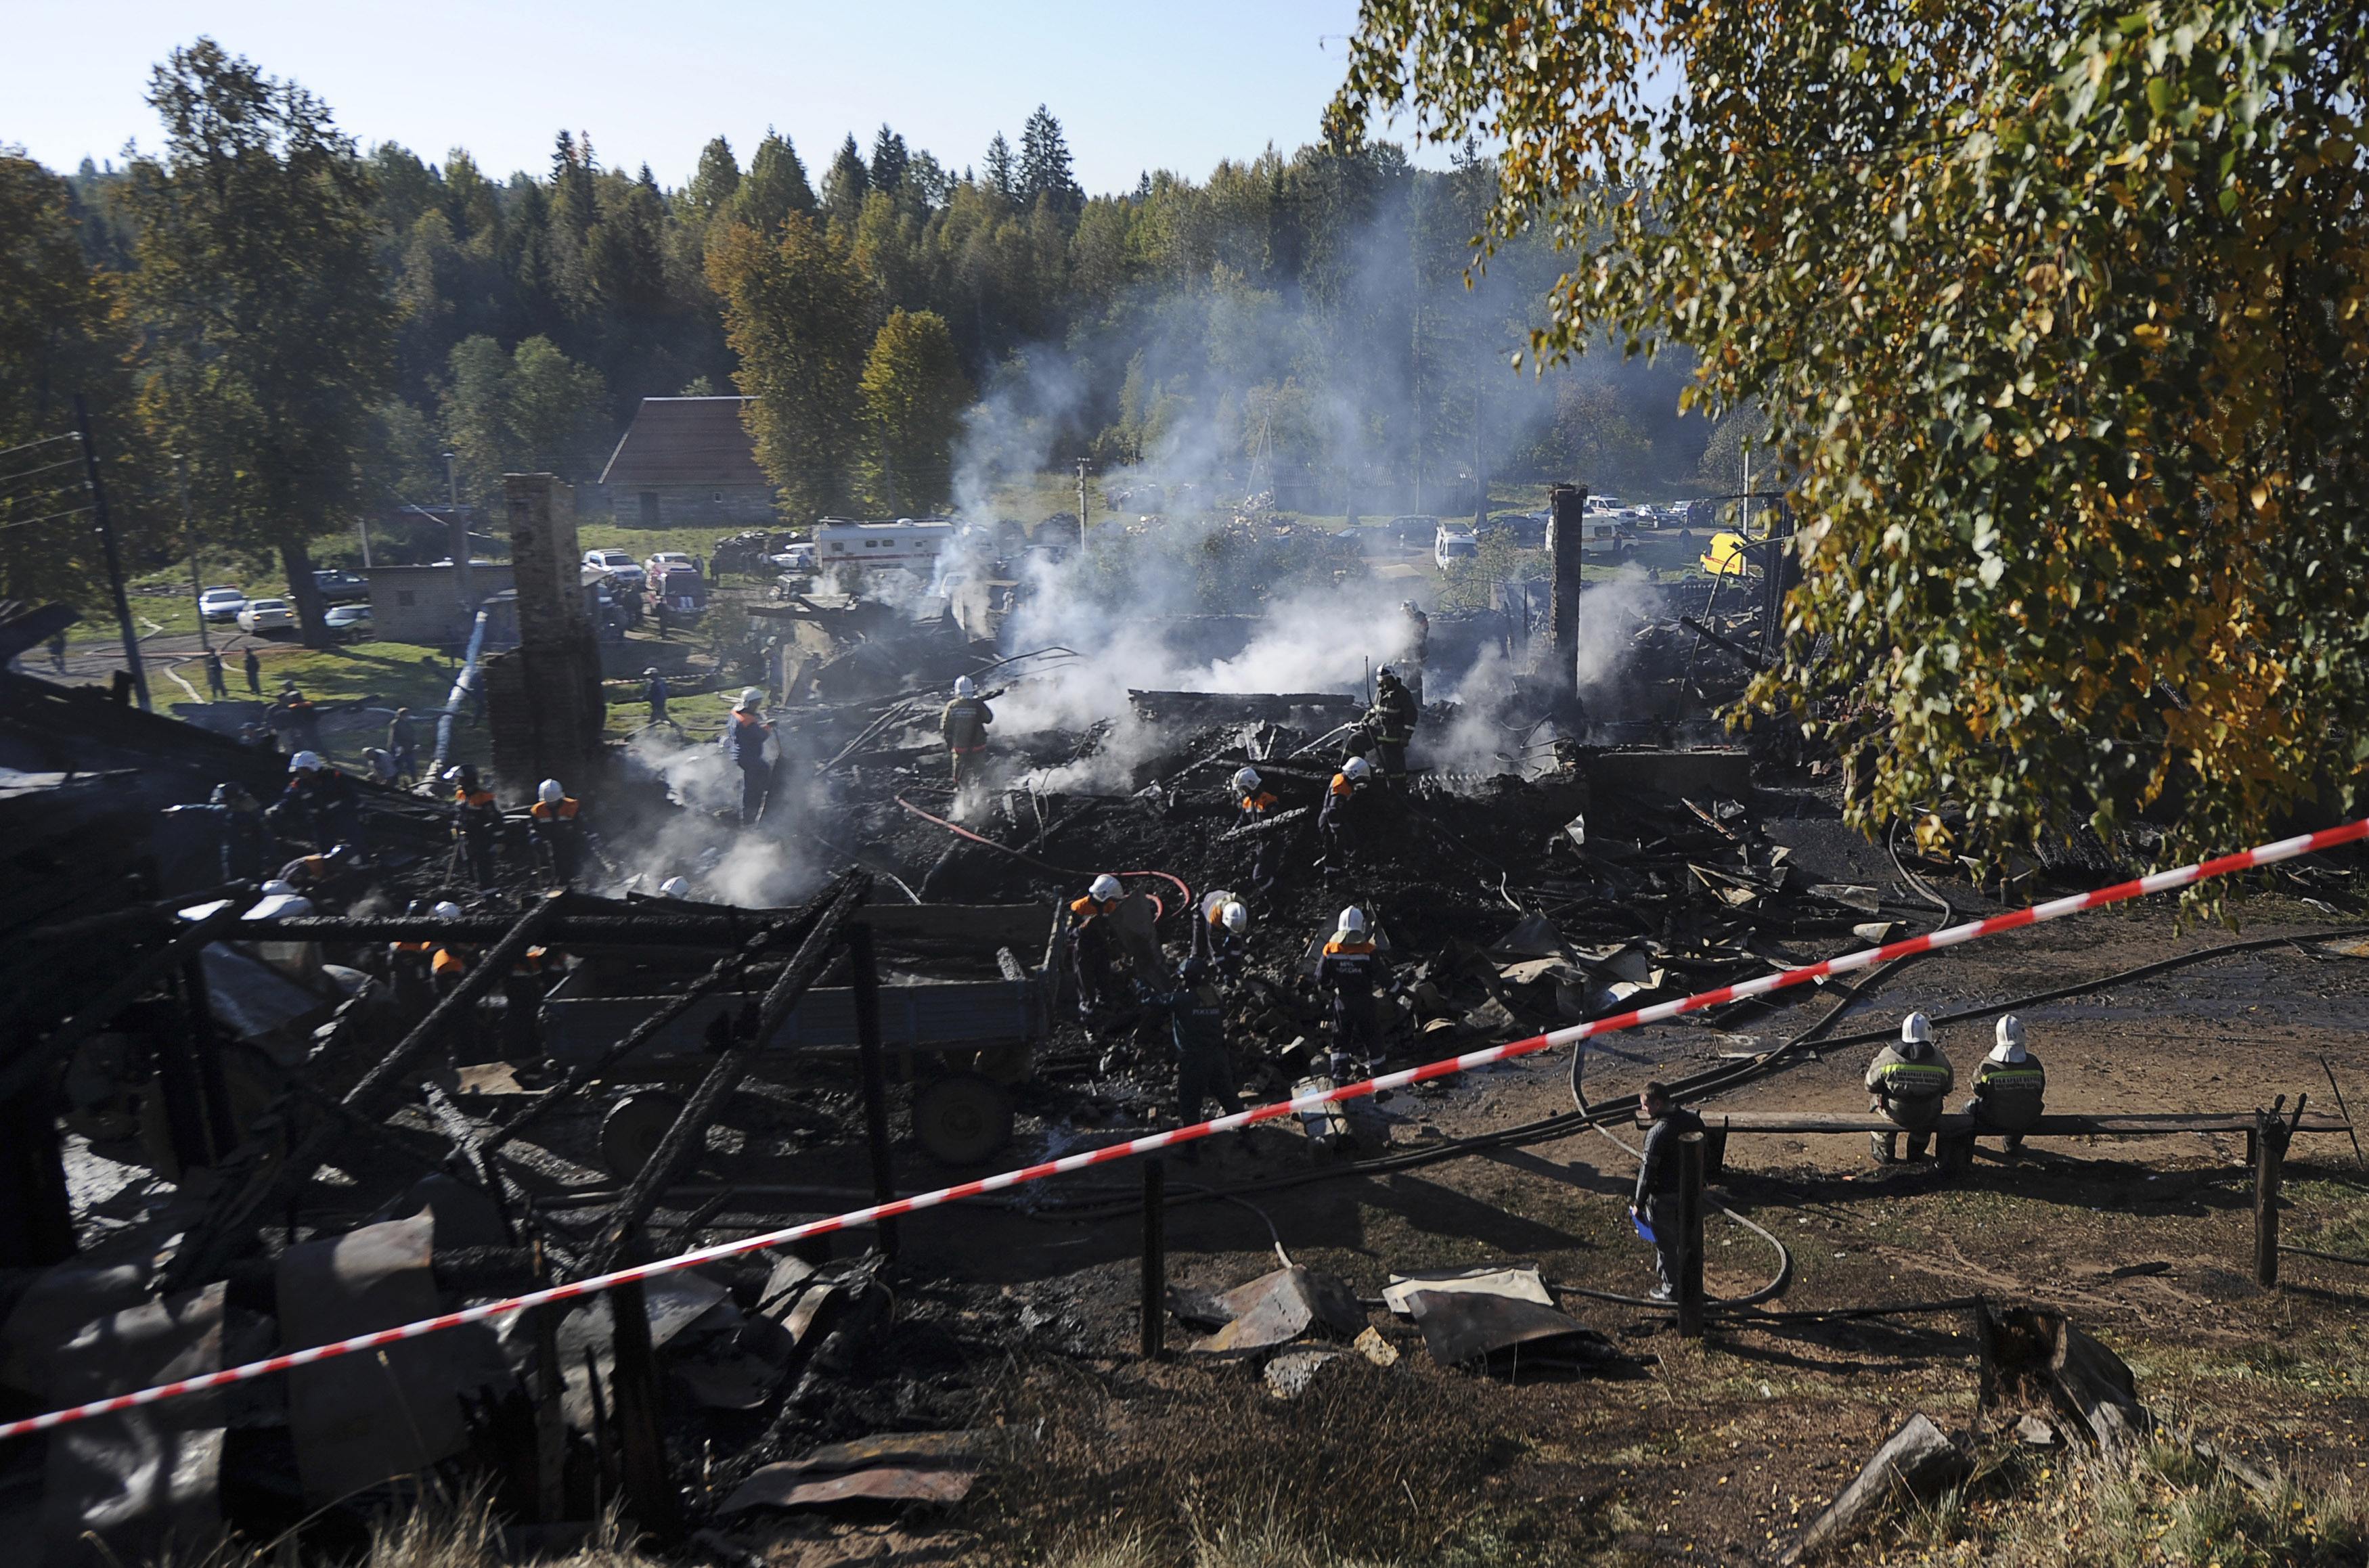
[(2161, 882)]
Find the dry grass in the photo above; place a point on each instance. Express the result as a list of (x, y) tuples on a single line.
[(1371, 1467), (2172, 1508), (441, 1532)]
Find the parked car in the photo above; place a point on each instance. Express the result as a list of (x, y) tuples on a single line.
[(618, 565), (683, 591), (1413, 532), (340, 587), (222, 604), (797, 559), (1453, 543), (261, 615), (655, 569), (1527, 530), (350, 621)]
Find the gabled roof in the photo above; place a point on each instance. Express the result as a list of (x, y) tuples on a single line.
[(686, 441)]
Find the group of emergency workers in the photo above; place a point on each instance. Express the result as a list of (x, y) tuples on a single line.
[(1108, 928)]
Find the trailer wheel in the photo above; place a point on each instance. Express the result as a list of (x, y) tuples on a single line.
[(631, 1131), (962, 1118)]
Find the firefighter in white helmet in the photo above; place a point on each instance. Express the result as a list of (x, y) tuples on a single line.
[(1222, 934), (1340, 820), (560, 831), (963, 726), (1351, 970), (1093, 944), (674, 888), (1908, 1081), (2010, 1086), (744, 737)]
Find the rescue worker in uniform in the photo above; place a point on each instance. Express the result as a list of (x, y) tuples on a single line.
[(557, 824), (1418, 647), (1337, 820), (658, 693), (1093, 944), (523, 992), (1908, 1083), (1221, 935), (476, 822), (1394, 720), (2009, 1087), (246, 834), (403, 745), (321, 800), (1655, 1206), (315, 874), (217, 682), (1197, 1025), (964, 727), (1350, 969), (1258, 806), (744, 738), (406, 972), (448, 961)]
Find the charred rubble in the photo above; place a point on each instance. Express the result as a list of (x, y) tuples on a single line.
[(235, 1127)]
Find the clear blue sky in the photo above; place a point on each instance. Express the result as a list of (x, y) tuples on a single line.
[(1136, 85)]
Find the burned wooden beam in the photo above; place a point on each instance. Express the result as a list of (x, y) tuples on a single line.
[(212, 1244), (687, 1134)]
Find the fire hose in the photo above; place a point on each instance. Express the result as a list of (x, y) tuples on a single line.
[(1951, 936)]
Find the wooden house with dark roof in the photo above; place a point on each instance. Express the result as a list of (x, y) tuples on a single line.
[(688, 461)]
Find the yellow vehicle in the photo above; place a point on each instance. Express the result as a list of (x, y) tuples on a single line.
[(1726, 555)]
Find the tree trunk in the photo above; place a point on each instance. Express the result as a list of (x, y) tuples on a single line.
[(296, 559)]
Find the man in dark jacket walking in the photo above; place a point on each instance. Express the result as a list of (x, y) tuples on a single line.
[(1197, 1023), (1655, 1206)]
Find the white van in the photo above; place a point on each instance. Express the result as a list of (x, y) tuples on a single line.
[(904, 543), (1453, 543)]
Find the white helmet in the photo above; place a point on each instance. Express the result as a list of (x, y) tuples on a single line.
[(1915, 1030), (751, 699), (1352, 922), (966, 687), (1246, 781), (675, 888), (277, 886), (2009, 1035), (305, 763), (1357, 769), (1235, 918), (1104, 888), (445, 909), (549, 792)]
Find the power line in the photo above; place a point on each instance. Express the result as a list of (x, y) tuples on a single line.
[(47, 517), (11, 451), (44, 468)]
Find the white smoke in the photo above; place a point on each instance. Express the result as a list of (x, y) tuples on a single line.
[(761, 867)]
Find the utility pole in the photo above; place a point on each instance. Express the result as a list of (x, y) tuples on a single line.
[(458, 526), (1082, 506), (189, 543), (139, 671)]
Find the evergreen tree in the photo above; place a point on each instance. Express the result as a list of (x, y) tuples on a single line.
[(1044, 165), (774, 187), (844, 185), (913, 398), (269, 328), (718, 178), (1001, 177), (890, 159)]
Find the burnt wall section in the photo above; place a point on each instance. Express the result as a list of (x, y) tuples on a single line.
[(543, 698), (1566, 506)]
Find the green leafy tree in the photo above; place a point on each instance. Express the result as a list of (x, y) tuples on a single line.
[(797, 311), (2058, 325), (531, 411), (266, 316), (57, 338), (914, 395)]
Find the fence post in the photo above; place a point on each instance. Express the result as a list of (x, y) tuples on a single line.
[(1155, 1255), (550, 1423), (1690, 1235), (865, 979), (641, 1448), (2270, 1159)]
